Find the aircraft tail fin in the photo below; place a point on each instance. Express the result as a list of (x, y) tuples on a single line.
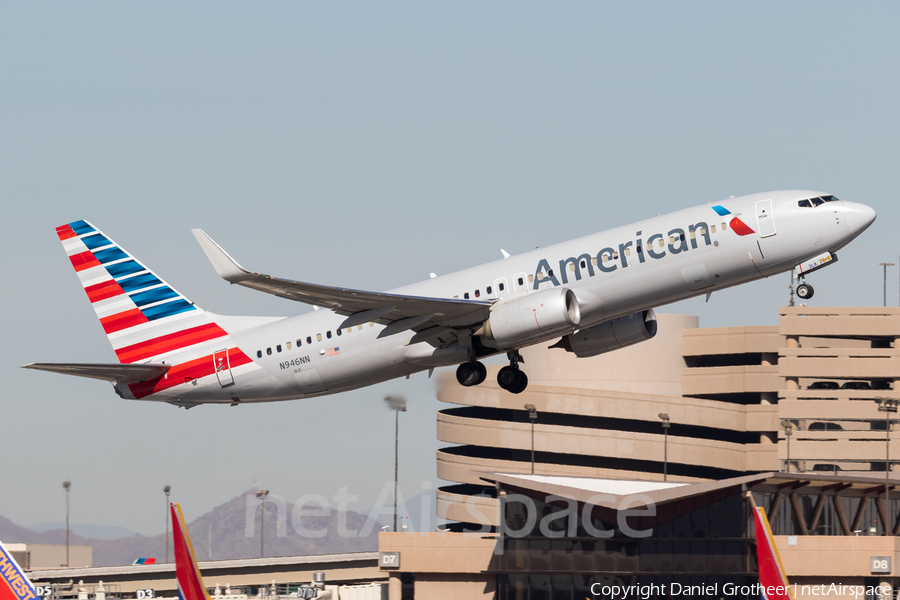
[(190, 582), (14, 584), (772, 578), (143, 316)]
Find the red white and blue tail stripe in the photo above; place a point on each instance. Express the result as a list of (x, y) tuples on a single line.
[(14, 584), (773, 582), (145, 319), (190, 583)]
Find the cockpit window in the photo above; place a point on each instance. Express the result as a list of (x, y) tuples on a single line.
[(818, 201), (804, 204), (830, 199)]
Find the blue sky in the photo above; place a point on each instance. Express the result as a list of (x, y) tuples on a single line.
[(367, 145)]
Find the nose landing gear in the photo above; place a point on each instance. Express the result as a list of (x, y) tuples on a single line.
[(805, 291)]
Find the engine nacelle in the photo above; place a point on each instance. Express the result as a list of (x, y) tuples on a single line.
[(534, 317), (610, 335)]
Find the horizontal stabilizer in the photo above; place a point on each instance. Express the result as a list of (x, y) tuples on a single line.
[(107, 372)]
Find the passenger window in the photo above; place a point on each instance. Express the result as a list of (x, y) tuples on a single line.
[(489, 290), (456, 296), (349, 329), (466, 295), (671, 239), (723, 226), (818, 201), (371, 323), (478, 293), (712, 228), (550, 273), (337, 331), (259, 354), (521, 281), (615, 255), (359, 327), (693, 234), (269, 351), (583, 263), (594, 261), (681, 236), (278, 347), (541, 276), (661, 243), (804, 204), (531, 279), (299, 342), (627, 251), (309, 339), (288, 345), (572, 267), (502, 287), (318, 337), (702, 231), (328, 334)]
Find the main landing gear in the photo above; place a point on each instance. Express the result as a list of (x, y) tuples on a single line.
[(509, 378)]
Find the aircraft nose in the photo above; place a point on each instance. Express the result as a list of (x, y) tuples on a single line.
[(859, 217)]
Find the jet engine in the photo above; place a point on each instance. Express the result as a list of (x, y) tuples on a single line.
[(537, 316), (610, 335)]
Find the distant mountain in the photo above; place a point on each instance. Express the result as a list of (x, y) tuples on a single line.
[(221, 534), (89, 530)]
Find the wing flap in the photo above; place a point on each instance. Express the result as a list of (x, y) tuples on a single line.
[(107, 372), (383, 307)]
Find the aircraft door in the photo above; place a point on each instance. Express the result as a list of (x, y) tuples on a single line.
[(501, 287), (222, 366), (765, 220)]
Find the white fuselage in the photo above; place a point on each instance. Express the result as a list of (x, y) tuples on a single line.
[(613, 273)]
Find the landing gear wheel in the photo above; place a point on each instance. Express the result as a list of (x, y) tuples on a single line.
[(805, 291), (521, 384), (471, 373), (508, 377)]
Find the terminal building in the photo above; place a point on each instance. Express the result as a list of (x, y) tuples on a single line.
[(637, 467), (793, 414)]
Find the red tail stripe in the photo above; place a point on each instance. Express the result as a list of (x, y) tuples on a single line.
[(170, 342), (190, 583), (65, 232), (83, 261), (123, 320), (102, 291), (179, 374)]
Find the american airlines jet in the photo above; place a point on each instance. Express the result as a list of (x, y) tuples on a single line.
[(586, 296)]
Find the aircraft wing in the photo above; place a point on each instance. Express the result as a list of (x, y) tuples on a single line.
[(108, 372), (417, 313)]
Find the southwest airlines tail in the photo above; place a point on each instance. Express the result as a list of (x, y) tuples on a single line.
[(773, 581), (190, 583), (14, 585)]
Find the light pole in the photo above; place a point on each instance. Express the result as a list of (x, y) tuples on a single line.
[(665, 424), (262, 495), (67, 485), (887, 406), (788, 429), (397, 404), (885, 265), (532, 414), (166, 490)]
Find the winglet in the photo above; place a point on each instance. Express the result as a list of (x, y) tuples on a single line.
[(227, 268)]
